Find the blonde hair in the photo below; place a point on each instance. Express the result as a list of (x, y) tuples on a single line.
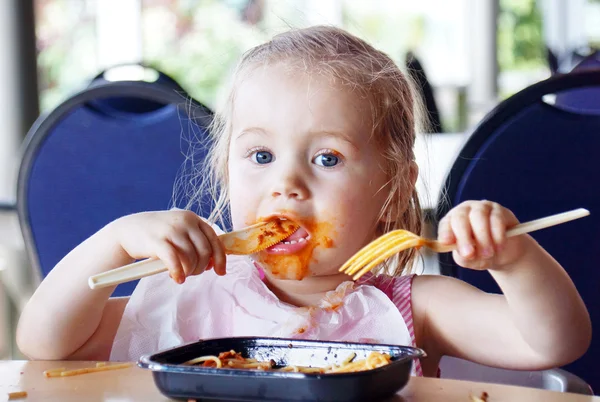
[(359, 67)]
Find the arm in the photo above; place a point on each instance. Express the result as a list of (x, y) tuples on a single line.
[(99, 345), (66, 319), (63, 313), (539, 322)]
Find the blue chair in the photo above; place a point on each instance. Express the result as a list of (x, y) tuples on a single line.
[(136, 72), (537, 160), (113, 149), (582, 100)]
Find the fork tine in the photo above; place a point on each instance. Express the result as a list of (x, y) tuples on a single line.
[(386, 251), (371, 260), (359, 254), (372, 253), (377, 252)]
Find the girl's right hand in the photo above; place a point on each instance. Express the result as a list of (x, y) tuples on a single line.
[(181, 239)]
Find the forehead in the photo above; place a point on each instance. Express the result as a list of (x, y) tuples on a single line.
[(282, 94)]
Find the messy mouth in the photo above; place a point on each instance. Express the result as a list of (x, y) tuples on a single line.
[(293, 243), (299, 236), (292, 257)]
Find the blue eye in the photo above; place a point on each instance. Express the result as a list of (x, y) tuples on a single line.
[(262, 157), (327, 160)]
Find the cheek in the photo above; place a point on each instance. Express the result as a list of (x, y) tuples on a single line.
[(346, 217), (237, 214), (240, 200), (357, 205), (356, 215), (243, 212)]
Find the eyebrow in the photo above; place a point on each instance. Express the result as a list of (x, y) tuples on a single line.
[(321, 133), (336, 134), (250, 130)]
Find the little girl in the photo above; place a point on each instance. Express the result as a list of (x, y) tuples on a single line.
[(319, 128)]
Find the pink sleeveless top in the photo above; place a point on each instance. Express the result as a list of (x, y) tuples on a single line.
[(399, 290)]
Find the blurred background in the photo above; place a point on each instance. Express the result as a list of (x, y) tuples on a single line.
[(473, 53)]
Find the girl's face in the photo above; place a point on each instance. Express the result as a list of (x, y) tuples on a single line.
[(300, 148)]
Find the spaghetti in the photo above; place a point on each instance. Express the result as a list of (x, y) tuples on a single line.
[(235, 360), (17, 395), (101, 366)]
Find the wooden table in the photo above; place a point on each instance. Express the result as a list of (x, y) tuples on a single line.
[(135, 384)]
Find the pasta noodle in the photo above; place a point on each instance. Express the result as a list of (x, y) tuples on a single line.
[(235, 360), (61, 372), (482, 398), (17, 395)]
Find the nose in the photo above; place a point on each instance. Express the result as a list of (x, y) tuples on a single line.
[(290, 184)]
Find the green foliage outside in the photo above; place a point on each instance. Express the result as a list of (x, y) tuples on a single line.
[(197, 43), (520, 38)]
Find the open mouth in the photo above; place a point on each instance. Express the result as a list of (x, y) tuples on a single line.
[(291, 244), (299, 236)]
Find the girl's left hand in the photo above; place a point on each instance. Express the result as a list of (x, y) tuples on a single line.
[(479, 230)]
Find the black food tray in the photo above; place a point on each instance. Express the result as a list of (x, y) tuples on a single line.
[(211, 384)]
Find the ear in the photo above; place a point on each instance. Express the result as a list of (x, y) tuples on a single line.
[(399, 206)]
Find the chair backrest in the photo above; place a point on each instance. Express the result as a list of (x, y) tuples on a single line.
[(582, 100), (136, 72), (114, 149), (537, 160)]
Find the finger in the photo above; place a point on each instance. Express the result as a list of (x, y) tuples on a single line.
[(486, 263), (167, 253), (498, 226), (187, 252), (475, 264), (203, 249), (211, 264), (460, 260), (479, 217), (445, 234), (461, 227), (218, 253)]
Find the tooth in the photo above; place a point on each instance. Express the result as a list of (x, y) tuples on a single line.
[(293, 242), (300, 240)]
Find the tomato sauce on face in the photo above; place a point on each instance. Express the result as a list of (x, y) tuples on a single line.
[(296, 266)]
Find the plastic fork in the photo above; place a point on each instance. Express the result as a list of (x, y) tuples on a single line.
[(393, 242), (249, 240)]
